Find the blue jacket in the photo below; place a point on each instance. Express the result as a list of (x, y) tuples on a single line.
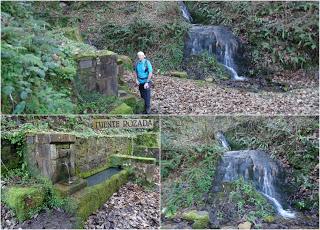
[(143, 68)]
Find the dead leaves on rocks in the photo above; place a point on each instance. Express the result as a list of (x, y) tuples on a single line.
[(131, 207)]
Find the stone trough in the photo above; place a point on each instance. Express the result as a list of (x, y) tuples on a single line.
[(88, 170)]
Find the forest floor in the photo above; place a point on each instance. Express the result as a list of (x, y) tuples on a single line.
[(49, 219), (131, 207), (173, 95)]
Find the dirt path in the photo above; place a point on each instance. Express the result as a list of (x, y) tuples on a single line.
[(185, 96)]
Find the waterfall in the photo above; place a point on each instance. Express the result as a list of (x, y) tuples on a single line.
[(228, 62), (185, 12), (216, 40), (257, 167), (222, 139)]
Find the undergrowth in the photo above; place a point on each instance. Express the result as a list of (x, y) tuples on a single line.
[(278, 35)]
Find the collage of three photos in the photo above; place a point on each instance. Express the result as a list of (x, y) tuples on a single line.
[(159, 115)]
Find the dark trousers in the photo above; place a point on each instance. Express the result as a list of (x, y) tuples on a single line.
[(146, 95)]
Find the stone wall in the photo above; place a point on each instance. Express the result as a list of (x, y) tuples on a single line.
[(48, 153), (94, 152), (97, 72)]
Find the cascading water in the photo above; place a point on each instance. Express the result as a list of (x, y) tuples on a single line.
[(229, 63), (185, 12), (257, 167), (222, 139), (216, 40)]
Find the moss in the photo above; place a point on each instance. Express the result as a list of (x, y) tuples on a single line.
[(91, 198), (269, 219), (179, 74), (118, 159), (125, 61), (135, 103), (95, 54), (147, 139), (200, 219), (24, 200), (72, 33), (122, 109)]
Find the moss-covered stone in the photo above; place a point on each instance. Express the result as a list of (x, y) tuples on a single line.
[(68, 189), (94, 171), (72, 33), (200, 218), (24, 201), (118, 159), (94, 54), (269, 219), (90, 199), (135, 103), (179, 74), (144, 151), (122, 109), (148, 139)]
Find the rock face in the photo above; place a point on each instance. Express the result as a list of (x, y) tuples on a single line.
[(252, 165), (215, 40), (98, 72)]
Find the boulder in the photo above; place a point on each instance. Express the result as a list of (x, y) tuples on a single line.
[(200, 218), (245, 225), (24, 201), (122, 109), (179, 74)]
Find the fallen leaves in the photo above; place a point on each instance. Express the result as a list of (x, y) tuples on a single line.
[(184, 96), (131, 207)]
